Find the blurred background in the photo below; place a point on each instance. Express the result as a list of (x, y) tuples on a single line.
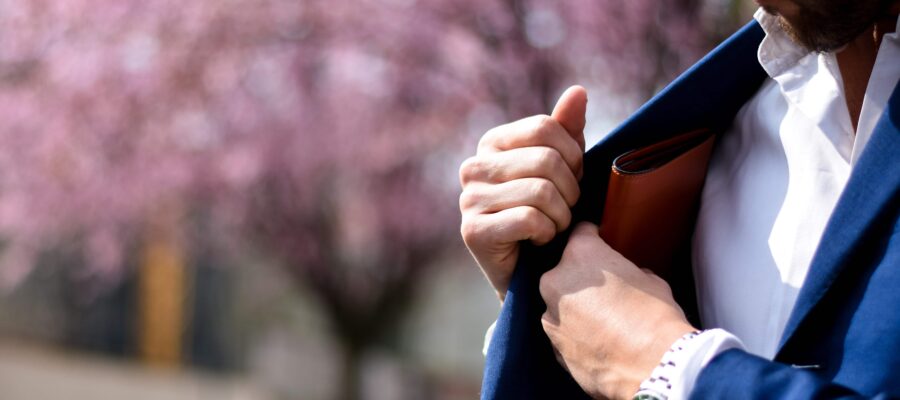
[(256, 199)]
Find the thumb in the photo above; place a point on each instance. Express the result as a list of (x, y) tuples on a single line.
[(570, 110)]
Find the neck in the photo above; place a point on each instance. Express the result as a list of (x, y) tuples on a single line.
[(857, 59)]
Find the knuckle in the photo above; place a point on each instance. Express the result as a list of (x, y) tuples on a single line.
[(470, 169), (584, 244), (470, 231), (545, 284), (587, 232), (547, 278), (577, 249), (543, 191), (544, 123), (537, 225), (530, 216), (576, 196), (554, 160), (663, 285), (488, 138), (547, 322), (549, 158), (546, 232), (549, 288), (468, 199), (653, 277), (566, 219)]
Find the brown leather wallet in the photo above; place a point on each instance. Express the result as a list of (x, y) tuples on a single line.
[(652, 199)]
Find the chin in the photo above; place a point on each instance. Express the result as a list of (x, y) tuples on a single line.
[(783, 8)]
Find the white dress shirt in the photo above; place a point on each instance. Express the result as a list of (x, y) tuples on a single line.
[(771, 187)]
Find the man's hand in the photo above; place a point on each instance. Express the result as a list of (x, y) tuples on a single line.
[(521, 184), (610, 322)]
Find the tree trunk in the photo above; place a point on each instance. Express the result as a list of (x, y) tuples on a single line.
[(350, 384), (161, 296)]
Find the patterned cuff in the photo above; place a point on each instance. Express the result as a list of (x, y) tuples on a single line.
[(673, 378), (659, 384)]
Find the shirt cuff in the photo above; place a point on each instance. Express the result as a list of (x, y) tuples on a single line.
[(487, 338), (679, 368)]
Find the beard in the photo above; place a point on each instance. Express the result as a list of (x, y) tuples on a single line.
[(827, 25)]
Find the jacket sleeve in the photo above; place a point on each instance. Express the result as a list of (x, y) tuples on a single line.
[(736, 374)]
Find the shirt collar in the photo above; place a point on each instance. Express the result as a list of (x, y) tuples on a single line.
[(809, 81), (777, 52)]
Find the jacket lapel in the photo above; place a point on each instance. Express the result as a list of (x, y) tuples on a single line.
[(873, 186)]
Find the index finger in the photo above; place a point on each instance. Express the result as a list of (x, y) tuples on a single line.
[(538, 130)]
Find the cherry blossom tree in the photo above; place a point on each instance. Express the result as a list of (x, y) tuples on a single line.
[(324, 134)]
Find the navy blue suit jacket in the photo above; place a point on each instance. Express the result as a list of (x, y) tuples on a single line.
[(843, 336)]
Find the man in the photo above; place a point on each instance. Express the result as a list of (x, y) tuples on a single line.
[(796, 251)]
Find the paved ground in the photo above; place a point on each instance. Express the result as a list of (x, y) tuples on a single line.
[(35, 373)]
